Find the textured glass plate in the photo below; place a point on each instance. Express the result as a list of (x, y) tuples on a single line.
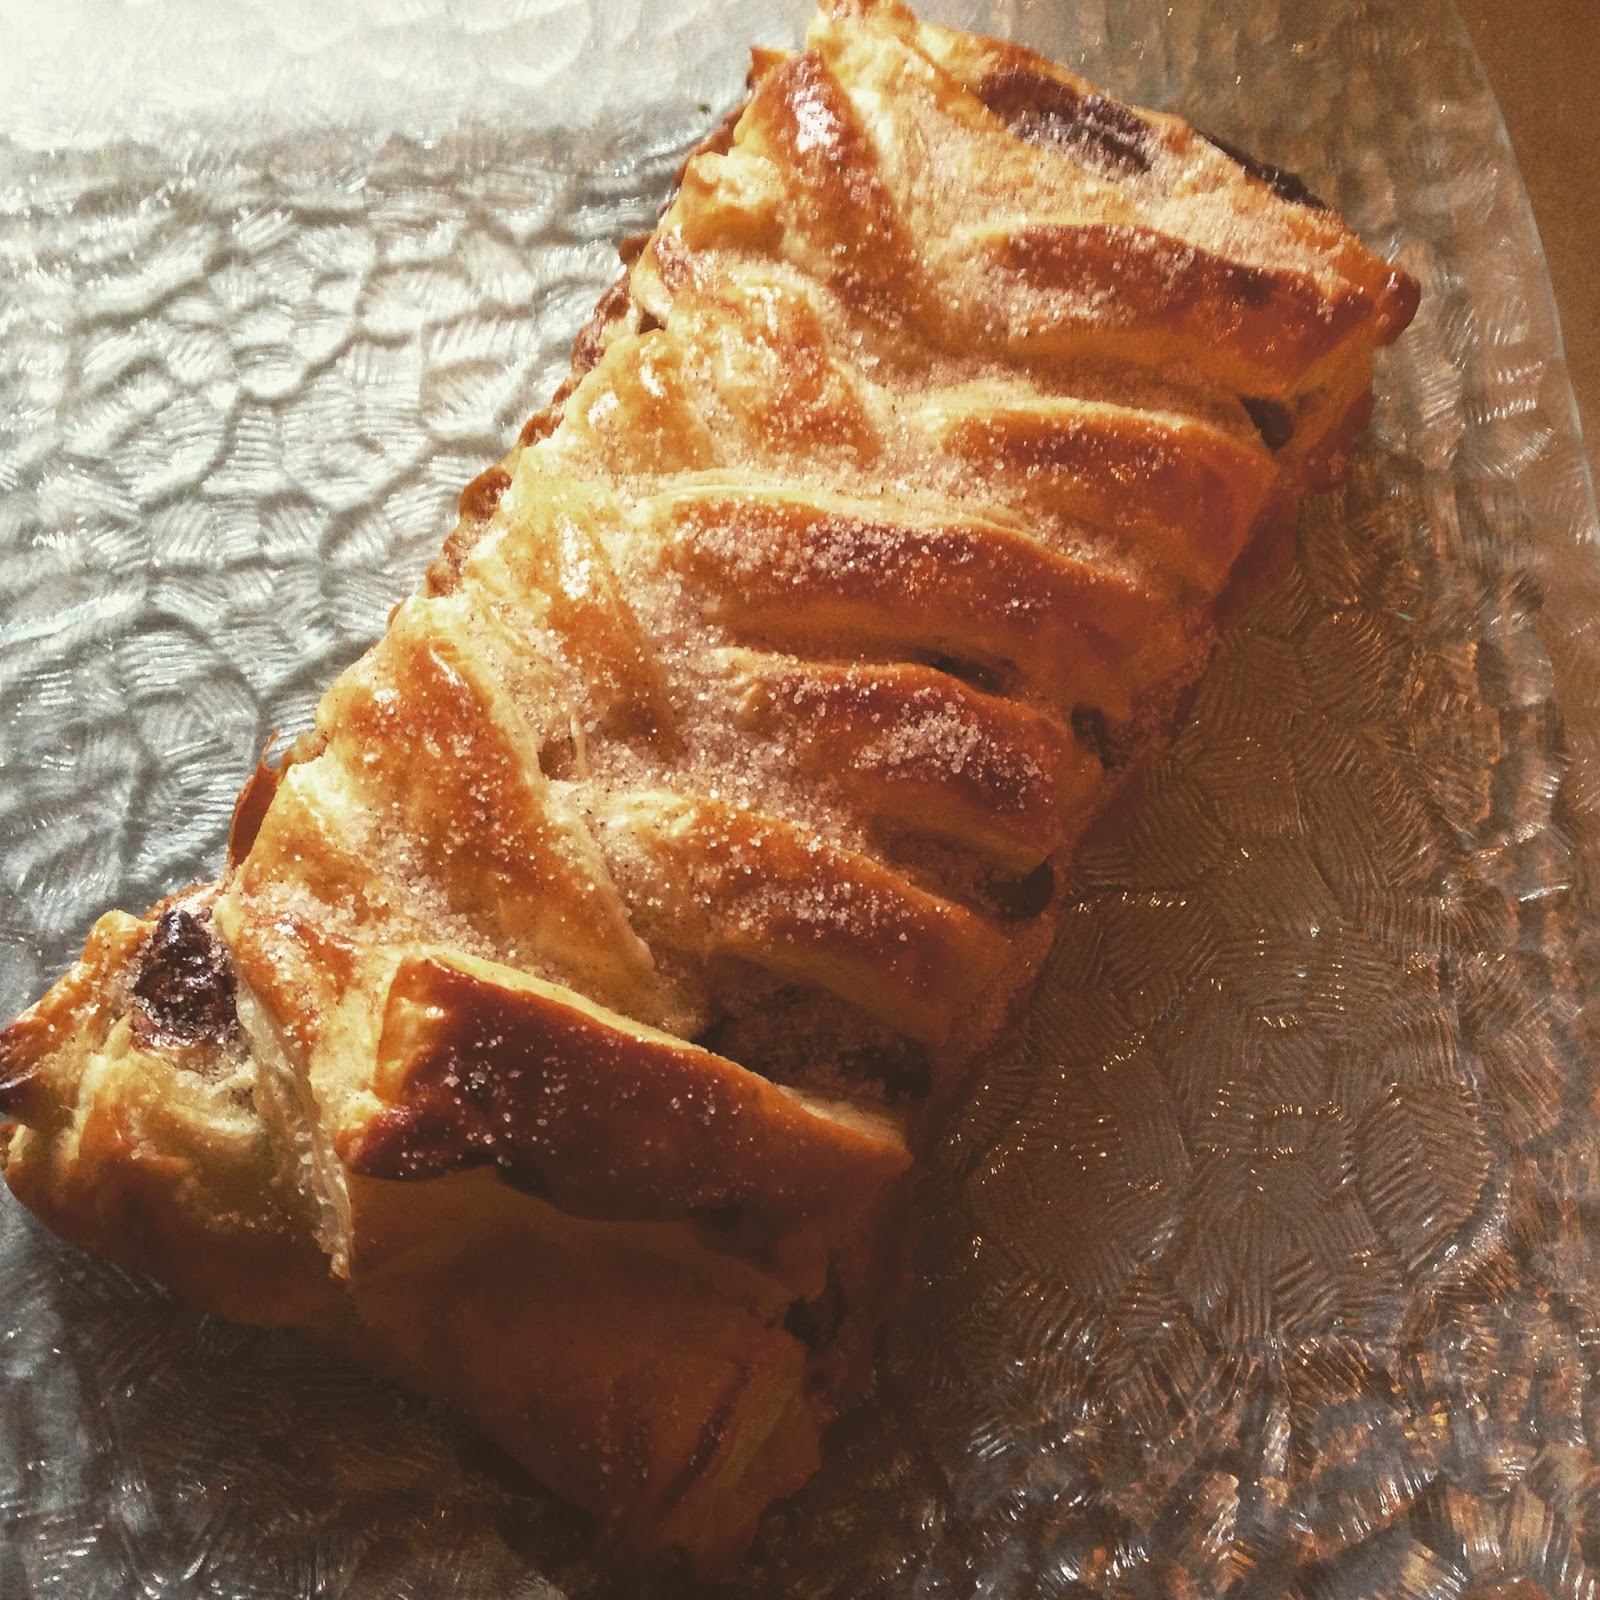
[(1269, 1262)]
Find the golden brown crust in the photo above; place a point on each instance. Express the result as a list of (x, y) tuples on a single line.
[(826, 573), (715, 879), (917, 749), (764, 693), (534, 1328), (601, 1117), (229, 1238)]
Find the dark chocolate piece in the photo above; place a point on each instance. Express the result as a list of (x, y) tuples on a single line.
[(816, 1323), (1089, 724), (1021, 899), (985, 679), (1045, 111), (185, 987), (1286, 185), (1272, 419)]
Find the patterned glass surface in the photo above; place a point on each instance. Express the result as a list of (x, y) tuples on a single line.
[(1267, 1262)]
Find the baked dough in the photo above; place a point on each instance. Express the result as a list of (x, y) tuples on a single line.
[(559, 1034)]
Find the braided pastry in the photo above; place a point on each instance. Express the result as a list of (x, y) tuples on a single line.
[(559, 1034)]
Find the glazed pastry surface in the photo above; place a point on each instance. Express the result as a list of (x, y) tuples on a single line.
[(560, 1034)]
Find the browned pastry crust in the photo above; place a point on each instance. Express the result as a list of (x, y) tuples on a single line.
[(559, 1034)]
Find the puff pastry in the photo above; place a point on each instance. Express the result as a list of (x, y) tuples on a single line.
[(559, 1034)]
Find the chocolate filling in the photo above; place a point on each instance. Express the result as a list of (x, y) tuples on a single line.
[(983, 678), (1021, 899), (1272, 419), (184, 988), (1090, 727), (787, 1033), (1285, 184), (816, 1323), (1047, 112)]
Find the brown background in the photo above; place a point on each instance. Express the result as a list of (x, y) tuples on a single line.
[(1543, 58)]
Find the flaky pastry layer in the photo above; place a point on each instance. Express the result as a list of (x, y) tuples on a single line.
[(560, 1032)]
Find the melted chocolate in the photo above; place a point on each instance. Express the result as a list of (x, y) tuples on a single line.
[(1021, 899), (1045, 111), (1089, 724), (979, 676), (185, 988), (1285, 184), (816, 1323), (1272, 419)]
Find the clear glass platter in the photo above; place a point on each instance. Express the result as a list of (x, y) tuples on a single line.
[(1268, 1261)]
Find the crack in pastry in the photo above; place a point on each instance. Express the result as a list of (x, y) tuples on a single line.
[(562, 1030)]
